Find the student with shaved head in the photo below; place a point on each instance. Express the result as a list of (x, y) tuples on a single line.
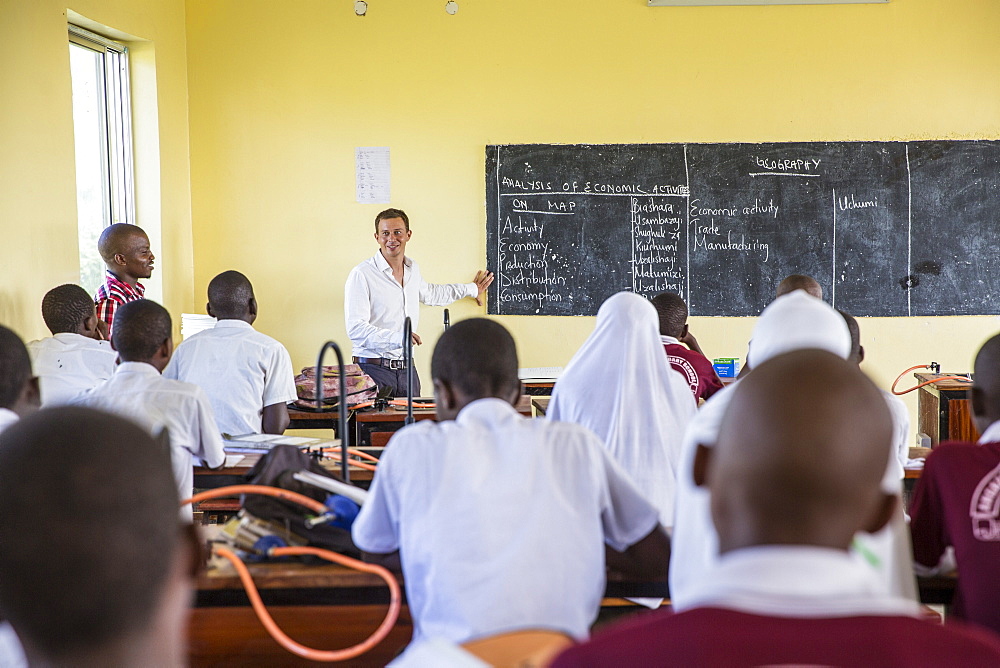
[(97, 570), (247, 375), (794, 476), (957, 502), (142, 336), (501, 522), (795, 321), (795, 282), (19, 394), (683, 352), (127, 256), (76, 358)]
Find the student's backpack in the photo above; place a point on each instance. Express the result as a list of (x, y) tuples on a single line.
[(276, 469), (360, 386)]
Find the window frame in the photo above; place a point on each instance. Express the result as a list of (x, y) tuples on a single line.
[(119, 174)]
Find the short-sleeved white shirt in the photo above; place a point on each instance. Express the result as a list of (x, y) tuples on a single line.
[(500, 522), (241, 371), (69, 364), (138, 392)]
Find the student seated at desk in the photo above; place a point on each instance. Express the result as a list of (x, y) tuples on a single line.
[(955, 502), (19, 393), (500, 522), (620, 386), (96, 570), (127, 256), (786, 590), (142, 336), (683, 352), (247, 375), (794, 282), (794, 321), (76, 358)]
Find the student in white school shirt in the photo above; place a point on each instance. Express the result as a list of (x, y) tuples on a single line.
[(794, 321), (77, 357), (142, 337), (500, 522), (247, 375), (18, 388), (19, 397)]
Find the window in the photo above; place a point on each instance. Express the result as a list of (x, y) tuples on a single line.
[(103, 136)]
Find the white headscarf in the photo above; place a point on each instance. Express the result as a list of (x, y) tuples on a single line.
[(797, 321), (621, 386)]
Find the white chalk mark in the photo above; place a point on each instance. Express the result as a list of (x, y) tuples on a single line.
[(548, 213), (810, 176)]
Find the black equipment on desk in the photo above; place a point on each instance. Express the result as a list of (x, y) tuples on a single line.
[(341, 405), (447, 320), (408, 355)]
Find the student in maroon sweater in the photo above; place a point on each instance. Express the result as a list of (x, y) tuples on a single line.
[(786, 590), (957, 502), (682, 348)]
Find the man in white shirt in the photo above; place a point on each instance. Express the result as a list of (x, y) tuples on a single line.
[(18, 388), (142, 337), (501, 522), (247, 375), (386, 288), (791, 322), (76, 358)]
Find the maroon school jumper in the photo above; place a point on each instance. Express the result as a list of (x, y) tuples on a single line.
[(724, 638), (696, 369), (956, 503)]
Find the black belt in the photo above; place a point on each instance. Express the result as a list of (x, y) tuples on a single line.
[(393, 365)]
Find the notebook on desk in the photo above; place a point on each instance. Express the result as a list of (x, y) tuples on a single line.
[(540, 373), (258, 443)]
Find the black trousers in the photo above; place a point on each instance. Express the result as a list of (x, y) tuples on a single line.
[(392, 379)]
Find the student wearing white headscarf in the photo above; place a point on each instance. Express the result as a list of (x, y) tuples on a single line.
[(794, 321), (621, 386)]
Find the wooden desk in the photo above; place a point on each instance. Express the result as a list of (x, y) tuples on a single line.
[(943, 411), (541, 404), (324, 606), (368, 421)]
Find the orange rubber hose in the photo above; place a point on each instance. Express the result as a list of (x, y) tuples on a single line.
[(352, 462), (276, 492), (926, 382), (392, 614)]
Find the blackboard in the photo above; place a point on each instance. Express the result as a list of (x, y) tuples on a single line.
[(887, 228)]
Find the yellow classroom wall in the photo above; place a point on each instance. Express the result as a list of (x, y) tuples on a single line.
[(38, 214), (281, 94)]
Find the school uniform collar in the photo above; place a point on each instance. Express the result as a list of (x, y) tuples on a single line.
[(487, 412), (668, 340), (797, 581), (383, 265), (233, 323), (139, 368), (992, 434)]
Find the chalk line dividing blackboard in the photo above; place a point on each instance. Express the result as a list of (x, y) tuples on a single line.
[(888, 228)]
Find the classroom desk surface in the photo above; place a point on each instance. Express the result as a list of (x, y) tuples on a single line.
[(304, 582)]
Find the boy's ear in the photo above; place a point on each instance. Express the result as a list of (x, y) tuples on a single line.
[(977, 401), (253, 306), (684, 332), (516, 392), (702, 459), (881, 513), (208, 309), (444, 394), (861, 354)]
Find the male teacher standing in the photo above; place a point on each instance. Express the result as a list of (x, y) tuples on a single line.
[(382, 291)]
